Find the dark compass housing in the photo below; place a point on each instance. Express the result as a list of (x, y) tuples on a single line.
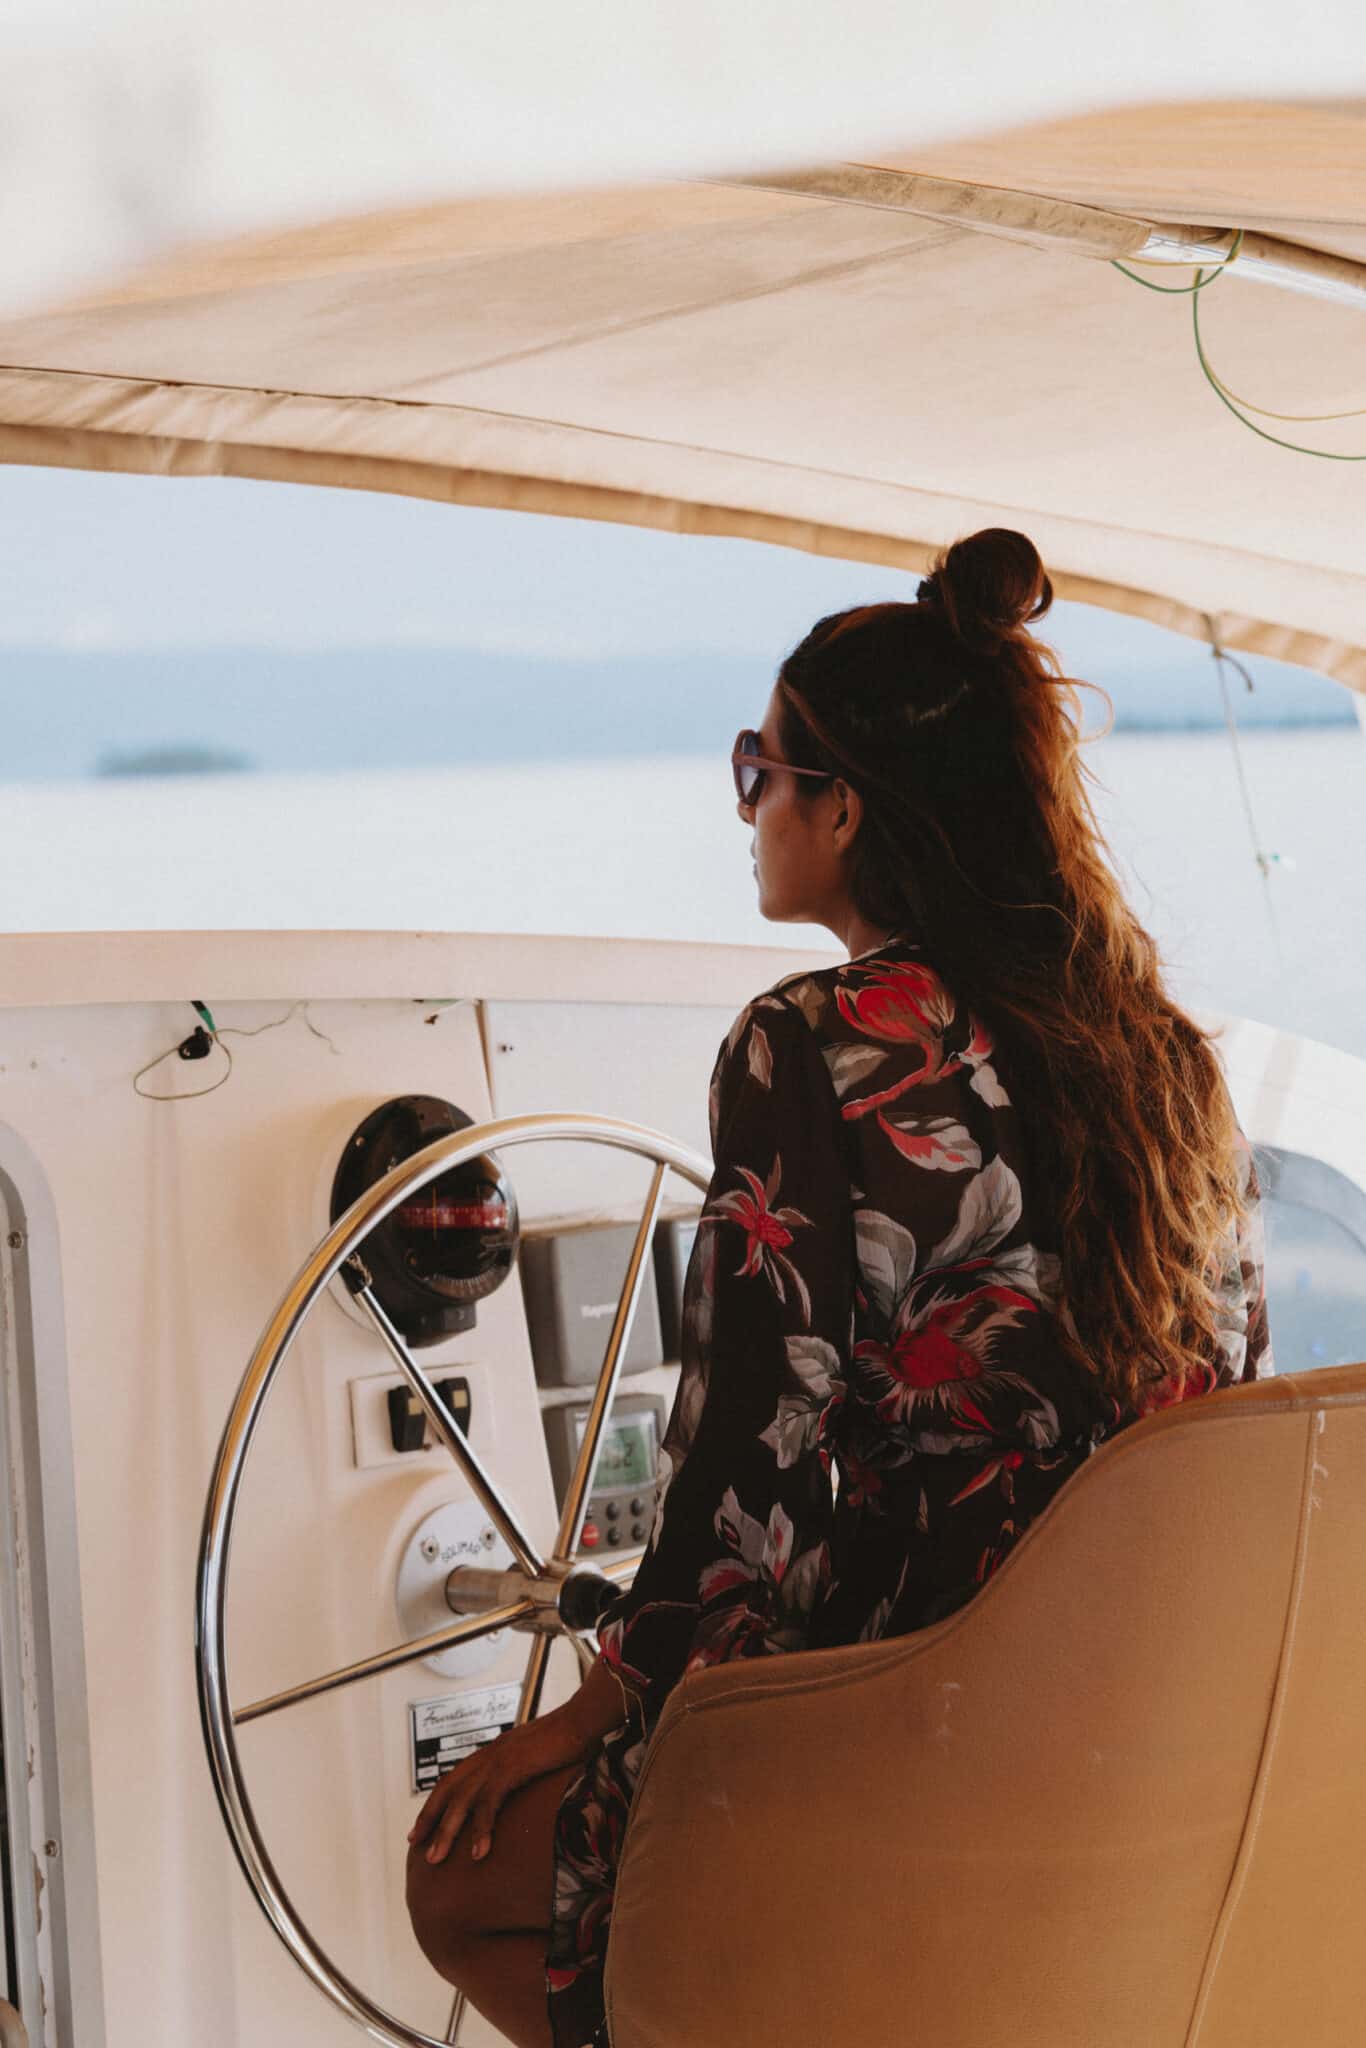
[(450, 1244)]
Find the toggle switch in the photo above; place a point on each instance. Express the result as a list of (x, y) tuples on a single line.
[(408, 1418)]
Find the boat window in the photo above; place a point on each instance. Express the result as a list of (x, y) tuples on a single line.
[(1315, 1260), (230, 705)]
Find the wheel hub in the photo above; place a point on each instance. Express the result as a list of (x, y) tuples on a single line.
[(568, 1596)]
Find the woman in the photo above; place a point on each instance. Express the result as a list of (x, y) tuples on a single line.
[(979, 1201)]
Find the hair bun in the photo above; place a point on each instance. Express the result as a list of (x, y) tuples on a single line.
[(991, 585)]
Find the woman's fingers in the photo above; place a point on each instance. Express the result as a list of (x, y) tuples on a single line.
[(482, 1815), (477, 1786), (478, 1802), (448, 1827), (433, 1806)]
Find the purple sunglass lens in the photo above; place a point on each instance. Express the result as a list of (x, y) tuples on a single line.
[(747, 776)]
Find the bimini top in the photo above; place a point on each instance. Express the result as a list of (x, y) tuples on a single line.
[(747, 273)]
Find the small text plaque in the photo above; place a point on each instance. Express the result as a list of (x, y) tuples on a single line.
[(445, 1730)]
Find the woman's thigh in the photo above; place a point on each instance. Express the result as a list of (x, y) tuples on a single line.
[(510, 1890)]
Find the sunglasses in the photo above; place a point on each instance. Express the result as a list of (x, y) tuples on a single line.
[(749, 768)]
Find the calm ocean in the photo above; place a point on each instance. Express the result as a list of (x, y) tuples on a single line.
[(629, 847)]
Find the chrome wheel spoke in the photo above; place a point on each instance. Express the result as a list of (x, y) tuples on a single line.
[(533, 1684), (620, 1570), (576, 1497), (453, 1437), (467, 1630)]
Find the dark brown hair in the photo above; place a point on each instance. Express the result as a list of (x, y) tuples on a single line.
[(962, 737)]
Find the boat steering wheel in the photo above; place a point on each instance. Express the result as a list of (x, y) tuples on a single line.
[(555, 1595)]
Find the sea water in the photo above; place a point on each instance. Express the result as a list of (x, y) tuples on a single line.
[(1254, 887)]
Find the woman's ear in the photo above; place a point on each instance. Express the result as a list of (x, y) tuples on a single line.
[(847, 815)]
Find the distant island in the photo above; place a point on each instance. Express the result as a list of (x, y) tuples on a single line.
[(207, 711), (185, 760)]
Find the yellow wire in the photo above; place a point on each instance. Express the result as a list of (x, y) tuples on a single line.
[(1357, 413), (1165, 263), (1263, 411)]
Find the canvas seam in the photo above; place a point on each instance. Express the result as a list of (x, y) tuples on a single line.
[(150, 383), (1252, 1826)]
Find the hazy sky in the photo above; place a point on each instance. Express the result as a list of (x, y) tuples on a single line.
[(114, 561), (110, 562), (128, 561)]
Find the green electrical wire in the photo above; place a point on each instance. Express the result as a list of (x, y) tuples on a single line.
[(1204, 278), (1276, 440), (1177, 290)]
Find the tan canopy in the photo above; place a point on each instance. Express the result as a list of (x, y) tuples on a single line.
[(864, 368)]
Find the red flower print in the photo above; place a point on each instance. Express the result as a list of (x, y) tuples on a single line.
[(764, 1228), (901, 1001), (929, 1356), (934, 1372), (950, 1338), (907, 1004), (1003, 1468), (776, 1589), (859, 1483), (936, 1142), (768, 1232), (976, 1054)]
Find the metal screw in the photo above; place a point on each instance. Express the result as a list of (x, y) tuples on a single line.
[(430, 1548), (488, 1539), (15, 1240), (51, 1848), (506, 1046)]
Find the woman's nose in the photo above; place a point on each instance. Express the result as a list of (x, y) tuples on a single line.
[(744, 812)]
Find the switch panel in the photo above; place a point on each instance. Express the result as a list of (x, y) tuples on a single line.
[(380, 1418), (409, 1428)]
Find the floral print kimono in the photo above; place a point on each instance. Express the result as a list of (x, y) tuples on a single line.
[(874, 1402)]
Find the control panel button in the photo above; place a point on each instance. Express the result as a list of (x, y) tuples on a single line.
[(591, 1536), (611, 1511), (638, 1531), (408, 1425), (614, 1535), (637, 1507)]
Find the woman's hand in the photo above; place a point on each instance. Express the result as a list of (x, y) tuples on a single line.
[(475, 1789)]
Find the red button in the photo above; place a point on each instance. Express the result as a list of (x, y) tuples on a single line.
[(590, 1537)]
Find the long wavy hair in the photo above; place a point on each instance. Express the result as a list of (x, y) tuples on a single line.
[(962, 736)]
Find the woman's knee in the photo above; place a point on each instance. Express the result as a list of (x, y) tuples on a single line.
[(458, 1903), (441, 1908)]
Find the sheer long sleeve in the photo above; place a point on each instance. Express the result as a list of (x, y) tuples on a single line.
[(740, 1551), (1243, 1328)]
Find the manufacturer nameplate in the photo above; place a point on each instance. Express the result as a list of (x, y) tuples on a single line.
[(447, 1729)]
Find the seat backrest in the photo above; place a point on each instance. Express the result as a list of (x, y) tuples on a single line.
[(1118, 1800)]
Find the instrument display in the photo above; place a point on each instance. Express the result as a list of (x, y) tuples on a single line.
[(622, 1496), (627, 1453)]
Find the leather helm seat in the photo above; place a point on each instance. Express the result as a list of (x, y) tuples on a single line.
[(1117, 1801)]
